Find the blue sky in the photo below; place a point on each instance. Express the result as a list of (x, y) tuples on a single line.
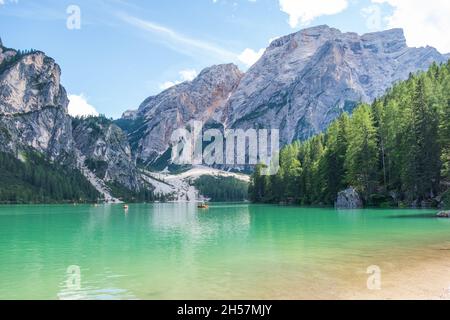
[(127, 50)]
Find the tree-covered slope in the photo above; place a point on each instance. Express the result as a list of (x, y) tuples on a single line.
[(34, 179), (222, 189), (395, 151)]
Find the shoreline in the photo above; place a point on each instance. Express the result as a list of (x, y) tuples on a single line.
[(428, 280)]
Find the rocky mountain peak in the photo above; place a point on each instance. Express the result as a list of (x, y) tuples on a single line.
[(33, 105), (306, 79), (305, 35), (219, 73), (129, 115), (202, 99), (389, 41), (386, 35), (302, 82), (32, 79), (223, 77)]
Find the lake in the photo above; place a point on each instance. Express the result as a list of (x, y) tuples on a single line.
[(231, 251)]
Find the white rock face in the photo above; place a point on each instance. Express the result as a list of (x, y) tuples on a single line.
[(33, 105), (130, 115), (31, 85), (179, 187)]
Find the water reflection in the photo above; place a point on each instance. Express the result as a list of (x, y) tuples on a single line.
[(197, 224)]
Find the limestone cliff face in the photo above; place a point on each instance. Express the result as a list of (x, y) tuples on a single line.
[(299, 86), (202, 99), (106, 151), (33, 105), (306, 79)]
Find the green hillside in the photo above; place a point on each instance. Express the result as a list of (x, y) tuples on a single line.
[(33, 179)]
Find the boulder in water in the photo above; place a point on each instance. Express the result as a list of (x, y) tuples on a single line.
[(349, 199), (443, 214)]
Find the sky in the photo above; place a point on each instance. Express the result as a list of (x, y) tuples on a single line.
[(116, 53)]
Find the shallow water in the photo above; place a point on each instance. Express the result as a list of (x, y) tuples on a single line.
[(231, 251)]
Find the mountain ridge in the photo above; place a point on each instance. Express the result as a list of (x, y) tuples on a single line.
[(302, 82)]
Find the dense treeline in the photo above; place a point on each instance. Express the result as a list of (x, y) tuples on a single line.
[(394, 152), (123, 193), (36, 180), (222, 189), (8, 62)]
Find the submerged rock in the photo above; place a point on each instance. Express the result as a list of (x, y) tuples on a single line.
[(349, 199)]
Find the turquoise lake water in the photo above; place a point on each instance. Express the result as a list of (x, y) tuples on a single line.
[(231, 251)]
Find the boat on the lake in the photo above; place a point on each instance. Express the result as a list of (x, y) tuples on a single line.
[(203, 206)]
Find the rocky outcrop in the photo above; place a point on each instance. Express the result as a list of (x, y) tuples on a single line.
[(202, 99), (130, 115), (33, 105), (106, 150), (443, 214), (349, 199)]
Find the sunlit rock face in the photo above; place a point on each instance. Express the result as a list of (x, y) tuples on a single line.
[(307, 79), (202, 99), (33, 105), (300, 85)]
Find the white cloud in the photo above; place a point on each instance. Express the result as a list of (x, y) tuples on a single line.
[(188, 74), (250, 56), (79, 107), (303, 12), (178, 41), (185, 75), (4, 1), (424, 22)]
